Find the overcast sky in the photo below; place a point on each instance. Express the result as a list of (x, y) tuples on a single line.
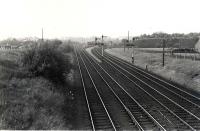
[(85, 18)]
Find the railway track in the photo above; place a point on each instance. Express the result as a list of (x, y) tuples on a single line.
[(178, 106), (150, 104), (176, 94), (142, 119), (121, 111), (123, 120), (99, 117), (189, 94)]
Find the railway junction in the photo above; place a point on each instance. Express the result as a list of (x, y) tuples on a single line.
[(121, 96)]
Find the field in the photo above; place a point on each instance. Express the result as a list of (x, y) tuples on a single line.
[(182, 71)]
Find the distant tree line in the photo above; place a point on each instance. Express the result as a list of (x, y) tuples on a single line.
[(166, 35), (175, 40)]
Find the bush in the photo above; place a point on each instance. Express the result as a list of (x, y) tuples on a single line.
[(31, 104), (46, 61), (36, 95), (66, 47)]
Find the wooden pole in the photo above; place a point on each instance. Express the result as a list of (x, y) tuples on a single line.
[(163, 60), (42, 35)]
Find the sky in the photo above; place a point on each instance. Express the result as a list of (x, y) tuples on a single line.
[(86, 18)]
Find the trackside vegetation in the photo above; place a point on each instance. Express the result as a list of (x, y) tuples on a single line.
[(37, 93)]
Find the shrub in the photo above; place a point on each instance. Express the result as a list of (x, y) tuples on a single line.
[(31, 104), (46, 61), (66, 48), (32, 101)]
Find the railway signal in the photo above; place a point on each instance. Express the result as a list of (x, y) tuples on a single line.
[(132, 45), (102, 44)]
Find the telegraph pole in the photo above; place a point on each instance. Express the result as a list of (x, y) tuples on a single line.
[(128, 39), (124, 46), (180, 48), (102, 46), (42, 35), (128, 36), (163, 61)]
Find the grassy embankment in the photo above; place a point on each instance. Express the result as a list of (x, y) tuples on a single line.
[(185, 72), (35, 87)]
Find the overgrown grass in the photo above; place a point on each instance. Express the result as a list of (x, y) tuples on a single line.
[(37, 94), (31, 104)]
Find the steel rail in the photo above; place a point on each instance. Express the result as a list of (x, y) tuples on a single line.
[(85, 93), (125, 107), (128, 64), (158, 83), (154, 98), (110, 119), (152, 118), (155, 90)]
